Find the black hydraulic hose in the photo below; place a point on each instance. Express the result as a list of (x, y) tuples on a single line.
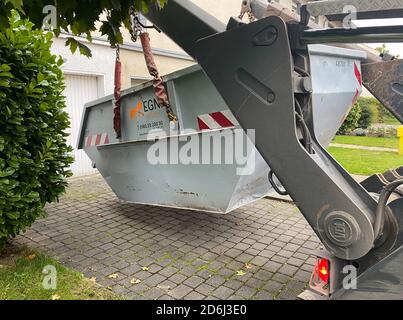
[(305, 138), (305, 132), (382, 205), (298, 107), (301, 71)]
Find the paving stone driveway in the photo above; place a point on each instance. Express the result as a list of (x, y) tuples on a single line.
[(187, 255)]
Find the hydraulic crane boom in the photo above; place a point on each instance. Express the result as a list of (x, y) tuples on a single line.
[(255, 68)]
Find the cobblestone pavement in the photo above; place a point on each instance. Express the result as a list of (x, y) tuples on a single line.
[(261, 251)]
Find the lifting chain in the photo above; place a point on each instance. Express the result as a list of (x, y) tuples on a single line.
[(117, 52), (246, 9), (136, 28)]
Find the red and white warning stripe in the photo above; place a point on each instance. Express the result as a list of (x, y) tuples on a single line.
[(97, 140), (217, 120), (357, 73), (358, 76)]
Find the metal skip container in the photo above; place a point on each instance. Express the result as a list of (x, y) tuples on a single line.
[(209, 163)]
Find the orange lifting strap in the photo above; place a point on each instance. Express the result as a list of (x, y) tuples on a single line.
[(117, 92), (158, 83)]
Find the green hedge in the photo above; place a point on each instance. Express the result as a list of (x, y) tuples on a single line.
[(365, 112), (352, 121), (367, 117), (34, 156)]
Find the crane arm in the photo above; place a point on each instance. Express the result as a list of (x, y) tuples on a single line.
[(255, 67)]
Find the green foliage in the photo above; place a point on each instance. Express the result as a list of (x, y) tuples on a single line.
[(80, 17), (383, 49), (34, 156), (368, 111), (367, 114), (352, 120), (366, 117), (385, 116), (379, 114)]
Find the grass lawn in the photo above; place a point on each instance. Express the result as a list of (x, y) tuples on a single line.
[(21, 278), (366, 162), (392, 143)]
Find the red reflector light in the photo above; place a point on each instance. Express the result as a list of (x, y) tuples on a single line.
[(323, 270), (320, 281)]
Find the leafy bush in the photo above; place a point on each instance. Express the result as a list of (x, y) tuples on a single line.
[(352, 120), (362, 115), (367, 114), (379, 113), (34, 156)]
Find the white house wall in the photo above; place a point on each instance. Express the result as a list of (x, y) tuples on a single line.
[(86, 80)]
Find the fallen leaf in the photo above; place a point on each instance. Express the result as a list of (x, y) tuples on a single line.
[(93, 280), (145, 268), (31, 257), (135, 281), (240, 273), (113, 276), (248, 266), (55, 297)]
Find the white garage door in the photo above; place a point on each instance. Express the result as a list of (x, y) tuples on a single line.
[(79, 90)]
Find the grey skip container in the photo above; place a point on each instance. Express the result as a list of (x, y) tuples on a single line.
[(156, 164)]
